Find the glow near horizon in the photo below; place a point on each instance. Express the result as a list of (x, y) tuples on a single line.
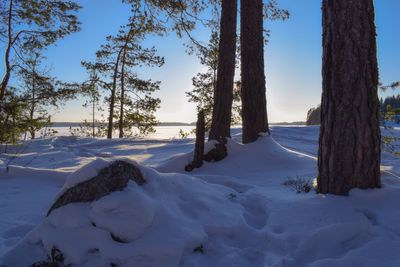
[(292, 59)]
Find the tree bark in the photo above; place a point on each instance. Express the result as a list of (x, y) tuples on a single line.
[(33, 104), (349, 142), (7, 74), (112, 98), (122, 98), (254, 106), (94, 118), (223, 95), (199, 146)]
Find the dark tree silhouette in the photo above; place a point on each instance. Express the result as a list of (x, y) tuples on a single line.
[(223, 95), (254, 106), (199, 146), (349, 143)]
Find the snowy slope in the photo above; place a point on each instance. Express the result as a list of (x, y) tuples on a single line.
[(232, 213)]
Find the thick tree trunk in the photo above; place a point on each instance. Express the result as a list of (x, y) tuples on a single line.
[(7, 74), (112, 98), (122, 98), (254, 106), (223, 95), (349, 142)]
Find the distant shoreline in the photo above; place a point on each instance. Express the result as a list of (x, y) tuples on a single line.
[(76, 124)]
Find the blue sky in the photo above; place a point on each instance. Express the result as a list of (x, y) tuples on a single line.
[(293, 59)]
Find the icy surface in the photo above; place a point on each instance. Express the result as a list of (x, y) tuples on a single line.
[(231, 213)]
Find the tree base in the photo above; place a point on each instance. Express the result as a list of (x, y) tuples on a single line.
[(218, 153)]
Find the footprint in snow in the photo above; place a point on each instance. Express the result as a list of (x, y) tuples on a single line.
[(255, 213)]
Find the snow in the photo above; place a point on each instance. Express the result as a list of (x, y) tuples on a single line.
[(235, 212)]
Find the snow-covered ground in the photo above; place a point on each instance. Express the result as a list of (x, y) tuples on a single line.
[(237, 212)]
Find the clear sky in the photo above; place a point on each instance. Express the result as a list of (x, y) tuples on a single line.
[(293, 59)]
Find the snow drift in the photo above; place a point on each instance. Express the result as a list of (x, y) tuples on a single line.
[(236, 212), (166, 222)]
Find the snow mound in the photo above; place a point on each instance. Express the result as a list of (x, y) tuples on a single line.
[(249, 160), (169, 221)]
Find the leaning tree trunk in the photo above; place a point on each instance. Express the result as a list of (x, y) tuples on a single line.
[(254, 106), (7, 74), (94, 118), (112, 98), (349, 142), (122, 97), (223, 95), (33, 106)]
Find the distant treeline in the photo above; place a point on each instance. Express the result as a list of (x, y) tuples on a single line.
[(390, 103)]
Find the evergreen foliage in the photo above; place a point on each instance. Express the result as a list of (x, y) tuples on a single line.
[(115, 66), (204, 83), (32, 24), (314, 116), (390, 103), (26, 106)]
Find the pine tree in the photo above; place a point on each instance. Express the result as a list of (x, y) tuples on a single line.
[(32, 23), (91, 90), (32, 96), (12, 118), (116, 63), (137, 106), (349, 142), (39, 91), (204, 83)]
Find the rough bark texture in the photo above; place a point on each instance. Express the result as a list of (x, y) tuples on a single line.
[(254, 103), (110, 179), (223, 95), (199, 147), (349, 143)]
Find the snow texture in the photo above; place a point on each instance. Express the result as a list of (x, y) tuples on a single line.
[(236, 212)]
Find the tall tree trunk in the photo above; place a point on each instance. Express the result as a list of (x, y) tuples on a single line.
[(94, 118), (122, 98), (112, 97), (223, 95), (7, 74), (349, 142), (254, 106), (33, 105)]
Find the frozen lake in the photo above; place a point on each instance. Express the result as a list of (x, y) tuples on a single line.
[(162, 132)]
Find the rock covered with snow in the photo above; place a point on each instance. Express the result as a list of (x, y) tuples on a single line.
[(111, 178), (167, 221)]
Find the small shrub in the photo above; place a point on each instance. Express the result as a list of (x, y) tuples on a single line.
[(199, 249), (183, 135), (299, 184), (55, 259)]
